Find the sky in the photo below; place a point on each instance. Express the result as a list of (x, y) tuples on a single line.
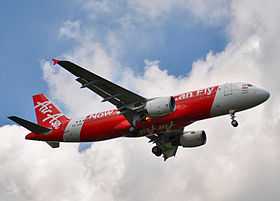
[(154, 48)]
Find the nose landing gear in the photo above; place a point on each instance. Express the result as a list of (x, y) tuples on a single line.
[(234, 123)]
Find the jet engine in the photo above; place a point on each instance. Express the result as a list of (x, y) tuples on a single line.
[(191, 139), (160, 106)]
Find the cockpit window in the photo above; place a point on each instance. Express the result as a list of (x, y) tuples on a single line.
[(247, 85)]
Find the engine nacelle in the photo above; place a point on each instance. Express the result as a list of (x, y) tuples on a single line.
[(160, 106), (192, 139)]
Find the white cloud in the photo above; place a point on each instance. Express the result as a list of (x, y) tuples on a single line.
[(70, 29), (210, 12), (145, 11), (65, 89), (32, 171), (235, 164)]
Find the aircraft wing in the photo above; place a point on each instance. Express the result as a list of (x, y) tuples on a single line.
[(164, 142), (126, 101)]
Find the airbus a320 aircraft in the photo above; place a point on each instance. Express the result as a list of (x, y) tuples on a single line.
[(160, 119)]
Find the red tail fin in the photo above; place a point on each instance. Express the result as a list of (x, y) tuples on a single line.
[(47, 114)]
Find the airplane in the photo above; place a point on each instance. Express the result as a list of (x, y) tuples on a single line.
[(161, 119)]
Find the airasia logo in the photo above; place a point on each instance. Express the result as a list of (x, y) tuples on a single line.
[(45, 109)]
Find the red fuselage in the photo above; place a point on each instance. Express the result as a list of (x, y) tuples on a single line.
[(190, 107)]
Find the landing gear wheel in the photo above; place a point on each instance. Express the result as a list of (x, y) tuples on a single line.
[(157, 151), (234, 123), (133, 130)]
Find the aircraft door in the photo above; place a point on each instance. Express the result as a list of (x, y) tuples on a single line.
[(227, 89)]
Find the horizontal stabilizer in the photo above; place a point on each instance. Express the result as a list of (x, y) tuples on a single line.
[(35, 128), (53, 144)]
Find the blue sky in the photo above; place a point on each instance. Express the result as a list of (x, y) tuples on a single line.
[(30, 34)]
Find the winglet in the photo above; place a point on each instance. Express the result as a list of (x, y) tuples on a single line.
[(55, 61)]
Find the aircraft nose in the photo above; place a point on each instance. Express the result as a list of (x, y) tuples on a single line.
[(262, 95)]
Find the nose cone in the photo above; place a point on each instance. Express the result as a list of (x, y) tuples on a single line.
[(262, 95)]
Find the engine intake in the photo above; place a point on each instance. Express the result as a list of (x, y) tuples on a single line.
[(160, 106), (191, 139)]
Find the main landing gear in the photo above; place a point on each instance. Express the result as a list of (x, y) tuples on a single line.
[(157, 151), (234, 123), (133, 130)]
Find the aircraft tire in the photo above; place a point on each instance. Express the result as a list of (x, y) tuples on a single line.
[(234, 123), (157, 151), (133, 130)]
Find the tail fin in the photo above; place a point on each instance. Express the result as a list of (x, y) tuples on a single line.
[(47, 113)]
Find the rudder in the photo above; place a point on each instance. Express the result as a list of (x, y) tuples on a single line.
[(47, 113)]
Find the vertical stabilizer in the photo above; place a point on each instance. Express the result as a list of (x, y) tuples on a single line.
[(47, 113)]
